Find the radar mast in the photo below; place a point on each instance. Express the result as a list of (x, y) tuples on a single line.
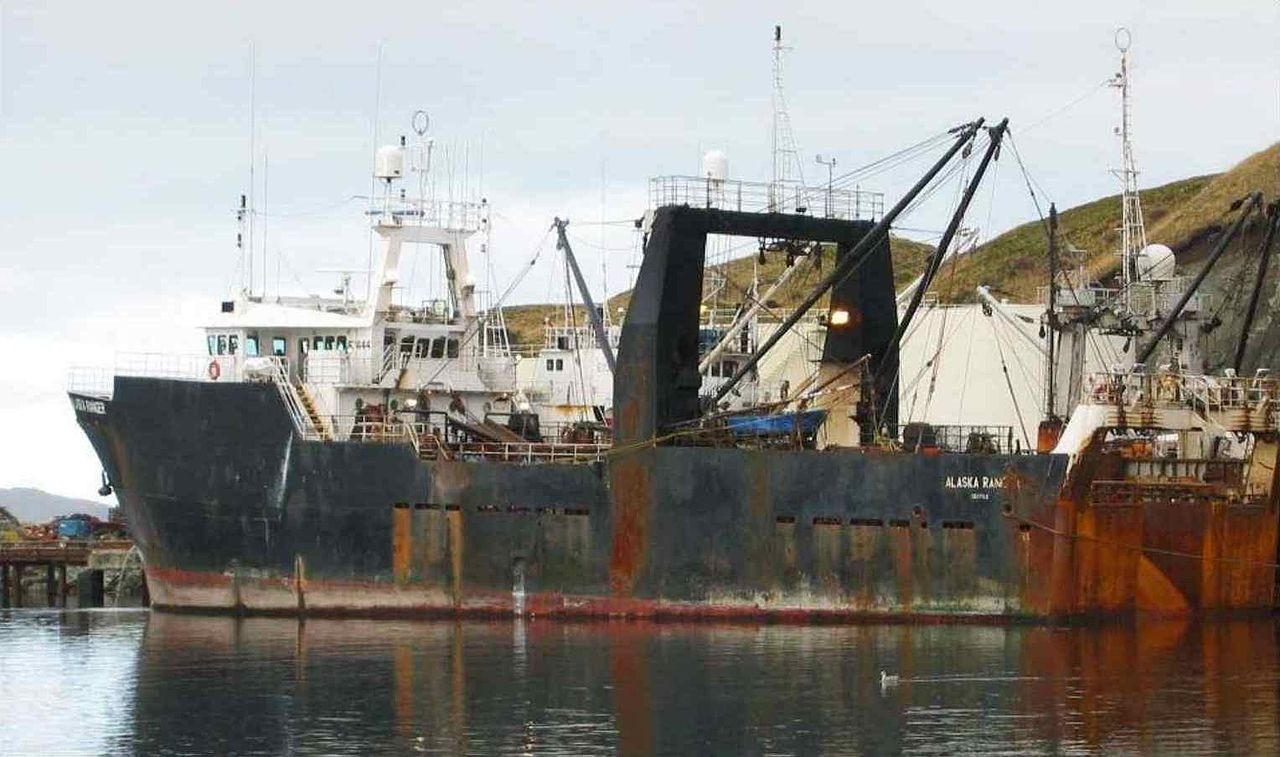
[(1133, 233)]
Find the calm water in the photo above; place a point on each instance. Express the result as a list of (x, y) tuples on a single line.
[(98, 682)]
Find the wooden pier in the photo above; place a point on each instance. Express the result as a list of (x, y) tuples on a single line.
[(54, 557)]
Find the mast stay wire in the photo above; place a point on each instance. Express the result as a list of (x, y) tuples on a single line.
[(1091, 339), (497, 304), (933, 364), (1060, 110), (879, 166), (960, 167), (1033, 388), (1004, 368), (577, 347)]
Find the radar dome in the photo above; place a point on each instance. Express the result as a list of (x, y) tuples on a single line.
[(715, 165), (388, 162), (1156, 261)]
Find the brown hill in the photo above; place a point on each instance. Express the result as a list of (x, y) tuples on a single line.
[(1186, 215)]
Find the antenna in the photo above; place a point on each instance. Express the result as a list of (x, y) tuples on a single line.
[(253, 85), (785, 156), (373, 181), (1133, 233)]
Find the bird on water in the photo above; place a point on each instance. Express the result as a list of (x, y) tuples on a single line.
[(888, 680)]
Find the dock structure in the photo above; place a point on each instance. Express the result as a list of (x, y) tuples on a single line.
[(54, 557)]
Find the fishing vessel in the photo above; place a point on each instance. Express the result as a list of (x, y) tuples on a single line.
[(436, 489)]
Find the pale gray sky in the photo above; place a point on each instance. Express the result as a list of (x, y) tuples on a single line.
[(124, 135)]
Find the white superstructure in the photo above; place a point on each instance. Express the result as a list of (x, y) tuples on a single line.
[(342, 360)]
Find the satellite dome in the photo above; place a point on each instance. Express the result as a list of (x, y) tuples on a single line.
[(1156, 261), (715, 166), (388, 162)]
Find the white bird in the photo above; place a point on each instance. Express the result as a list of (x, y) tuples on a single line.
[(888, 680)]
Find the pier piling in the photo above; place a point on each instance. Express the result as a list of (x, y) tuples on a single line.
[(55, 557)]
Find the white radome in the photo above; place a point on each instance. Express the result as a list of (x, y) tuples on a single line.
[(1156, 261), (715, 165), (388, 163)]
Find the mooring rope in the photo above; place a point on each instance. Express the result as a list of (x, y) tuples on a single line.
[(1139, 547)]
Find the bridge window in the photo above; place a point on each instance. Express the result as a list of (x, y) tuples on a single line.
[(213, 344), (222, 344), (233, 344), (251, 345), (551, 364), (451, 348), (328, 343), (278, 345), (406, 346), (342, 344), (559, 364), (421, 348), (437, 347)]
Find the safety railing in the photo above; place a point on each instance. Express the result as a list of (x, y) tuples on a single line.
[(961, 439), (99, 381), (762, 197), (429, 441), (91, 381), (1227, 472), (1142, 296), (293, 403), (444, 214), (1168, 389), (524, 452)]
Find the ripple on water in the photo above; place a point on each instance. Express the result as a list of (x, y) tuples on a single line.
[(129, 681)]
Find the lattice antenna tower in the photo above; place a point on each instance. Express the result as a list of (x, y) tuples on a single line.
[(786, 158), (1133, 233)]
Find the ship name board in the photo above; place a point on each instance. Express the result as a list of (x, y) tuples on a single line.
[(973, 482), (97, 407)]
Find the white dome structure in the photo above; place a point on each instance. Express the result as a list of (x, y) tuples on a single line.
[(1156, 262), (715, 166), (388, 162)]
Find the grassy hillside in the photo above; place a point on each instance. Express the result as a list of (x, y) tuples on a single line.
[(525, 322), (1186, 215), (1183, 215), (1014, 263)]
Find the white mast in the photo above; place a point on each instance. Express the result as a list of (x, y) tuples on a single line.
[(786, 160), (1133, 233)]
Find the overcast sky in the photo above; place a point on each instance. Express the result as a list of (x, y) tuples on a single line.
[(124, 137)]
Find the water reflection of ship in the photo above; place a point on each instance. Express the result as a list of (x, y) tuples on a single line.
[(641, 688)]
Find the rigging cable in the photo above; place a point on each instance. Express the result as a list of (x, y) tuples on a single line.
[(516, 282), (577, 347), (1004, 368), (1091, 340)]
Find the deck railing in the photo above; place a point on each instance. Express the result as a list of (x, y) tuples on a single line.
[(1180, 390), (99, 381), (763, 197)]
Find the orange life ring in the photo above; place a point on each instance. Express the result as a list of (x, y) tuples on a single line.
[(215, 370)]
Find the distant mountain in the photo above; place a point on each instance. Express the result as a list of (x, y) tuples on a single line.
[(35, 506)]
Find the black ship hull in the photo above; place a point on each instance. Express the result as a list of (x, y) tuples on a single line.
[(233, 512)]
